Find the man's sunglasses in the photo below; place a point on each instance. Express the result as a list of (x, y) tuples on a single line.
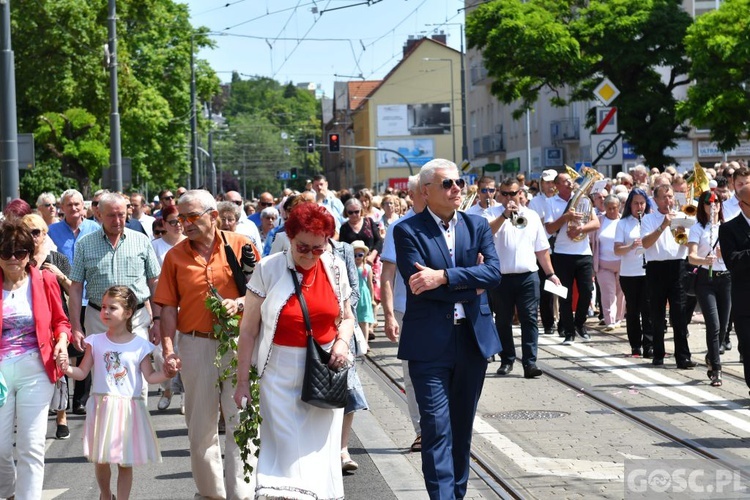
[(192, 218), (168, 198), (18, 254), (239, 203), (94, 203), (448, 183), (487, 190), (264, 204), (305, 249), (508, 193)]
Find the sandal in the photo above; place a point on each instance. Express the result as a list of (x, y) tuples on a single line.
[(417, 444), (710, 372), (716, 378)]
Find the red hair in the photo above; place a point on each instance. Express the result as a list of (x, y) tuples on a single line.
[(311, 218), (167, 211), (17, 208)]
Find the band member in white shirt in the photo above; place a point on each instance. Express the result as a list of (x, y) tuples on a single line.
[(572, 259), (731, 207), (485, 196), (520, 241), (665, 263), (539, 205)]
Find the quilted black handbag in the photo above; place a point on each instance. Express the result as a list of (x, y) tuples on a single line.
[(321, 386)]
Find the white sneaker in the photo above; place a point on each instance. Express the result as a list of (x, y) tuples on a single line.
[(164, 402), (182, 403)]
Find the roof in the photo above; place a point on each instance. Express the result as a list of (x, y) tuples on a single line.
[(360, 90)]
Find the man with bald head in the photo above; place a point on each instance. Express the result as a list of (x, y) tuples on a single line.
[(734, 241), (265, 200), (244, 225)]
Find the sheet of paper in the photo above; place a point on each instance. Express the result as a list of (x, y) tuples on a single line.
[(558, 290)]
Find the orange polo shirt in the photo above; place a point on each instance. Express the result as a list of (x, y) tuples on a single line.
[(186, 279)]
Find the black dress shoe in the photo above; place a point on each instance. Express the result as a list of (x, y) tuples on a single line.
[(79, 410), (532, 371), (648, 353), (687, 365), (657, 361), (583, 333), (636, 353), (548, 331), (505, 368)]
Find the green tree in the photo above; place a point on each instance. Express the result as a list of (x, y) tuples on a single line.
[(46, 176), (565, 48), (75, 140), (64, 68), (718, 45)]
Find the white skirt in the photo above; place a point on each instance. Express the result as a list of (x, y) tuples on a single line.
[(300, 444)]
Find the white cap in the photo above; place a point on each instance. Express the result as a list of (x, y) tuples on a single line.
[(549, 175)]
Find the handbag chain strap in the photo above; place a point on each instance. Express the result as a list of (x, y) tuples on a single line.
[(302, 302)]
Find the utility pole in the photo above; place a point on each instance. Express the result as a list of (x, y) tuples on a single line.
[(193, 119), (8, 122), (115, 147)]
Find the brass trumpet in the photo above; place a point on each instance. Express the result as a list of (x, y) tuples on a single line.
[(468, 201), (518, 221), (680, 235)]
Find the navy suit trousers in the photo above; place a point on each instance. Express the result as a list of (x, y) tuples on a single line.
[(447, 391)]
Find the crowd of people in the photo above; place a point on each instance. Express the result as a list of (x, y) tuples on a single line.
[(94, 290)]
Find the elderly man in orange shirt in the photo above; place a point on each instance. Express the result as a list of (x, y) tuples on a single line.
[(190, 270)]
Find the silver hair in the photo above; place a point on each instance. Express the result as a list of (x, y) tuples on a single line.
[(109, 198), (201, 196), (413, 184), (611, 198), (269, 212), (427, 172), (352, 202), (45, 198), (101, 192), (70, 193), (227, 206)]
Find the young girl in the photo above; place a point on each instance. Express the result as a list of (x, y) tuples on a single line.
[(118, 429), (365, 314)]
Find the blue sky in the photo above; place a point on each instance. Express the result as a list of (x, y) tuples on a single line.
[(288, 41)]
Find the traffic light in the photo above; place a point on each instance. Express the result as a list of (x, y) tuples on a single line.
[(333, 143), (311, 145), (294, 173)]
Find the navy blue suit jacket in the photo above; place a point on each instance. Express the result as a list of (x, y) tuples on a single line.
[(428, 320)]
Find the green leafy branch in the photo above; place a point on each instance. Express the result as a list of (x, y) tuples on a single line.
[(227, 332)]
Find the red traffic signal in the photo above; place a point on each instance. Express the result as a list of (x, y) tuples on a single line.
[(334, 146)]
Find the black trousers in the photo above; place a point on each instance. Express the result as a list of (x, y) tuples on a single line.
[(714, 296), (665, 285), (740, 299), (546, 302), (581, 269), (637, 312)]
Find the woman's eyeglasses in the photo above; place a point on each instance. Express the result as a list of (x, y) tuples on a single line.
[(304, 249), (173, 222), (193, 218), (352, 212), (18, 254), (36, 232), (448, 183), (359, 255)]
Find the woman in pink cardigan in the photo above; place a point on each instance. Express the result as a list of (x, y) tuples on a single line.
[(34, 330)]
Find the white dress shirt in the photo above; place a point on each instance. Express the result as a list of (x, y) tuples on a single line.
[(731, 208), (564, 245), (705, 240), (665, 248), (516, 247), (450, 239), (628, 229), (476, 209)]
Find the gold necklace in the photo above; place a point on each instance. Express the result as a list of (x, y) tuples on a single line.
[(315, 275)]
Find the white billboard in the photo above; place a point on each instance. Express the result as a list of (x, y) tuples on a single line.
[(417, 151), (414, 119)]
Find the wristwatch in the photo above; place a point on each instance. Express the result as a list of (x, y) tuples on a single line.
[(240, 305)]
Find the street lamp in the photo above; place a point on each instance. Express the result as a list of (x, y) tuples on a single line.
[(453, 103)]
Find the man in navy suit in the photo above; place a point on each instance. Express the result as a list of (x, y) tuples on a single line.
[(448, 260)]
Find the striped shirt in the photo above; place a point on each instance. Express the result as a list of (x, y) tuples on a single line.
[(131, 263)]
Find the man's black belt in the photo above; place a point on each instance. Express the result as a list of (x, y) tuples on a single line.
[(460, 321), (99, 308)]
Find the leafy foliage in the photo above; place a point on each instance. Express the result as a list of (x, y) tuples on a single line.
[(565, 48), (227, 332), (46, 176), (719, 46), (65, 69)]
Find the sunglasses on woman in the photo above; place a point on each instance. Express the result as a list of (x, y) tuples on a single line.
[(305, 249), (359, 255), (173, 222), (18, 254)]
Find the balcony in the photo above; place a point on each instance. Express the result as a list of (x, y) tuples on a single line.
[(565, 130), (488, 144), (479, 76)]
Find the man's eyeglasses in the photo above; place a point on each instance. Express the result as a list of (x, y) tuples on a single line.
[(170, 197), (509, 193), (18, 254), (304, 249), (159, 233), (237, 202), (487, 190), (264, 204), (359, 255), (173, 222), (36, 233), (352, 212), (193, 218), (448, 183), (94, 203)]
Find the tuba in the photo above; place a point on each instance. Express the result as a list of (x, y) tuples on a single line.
[(580, 200)]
